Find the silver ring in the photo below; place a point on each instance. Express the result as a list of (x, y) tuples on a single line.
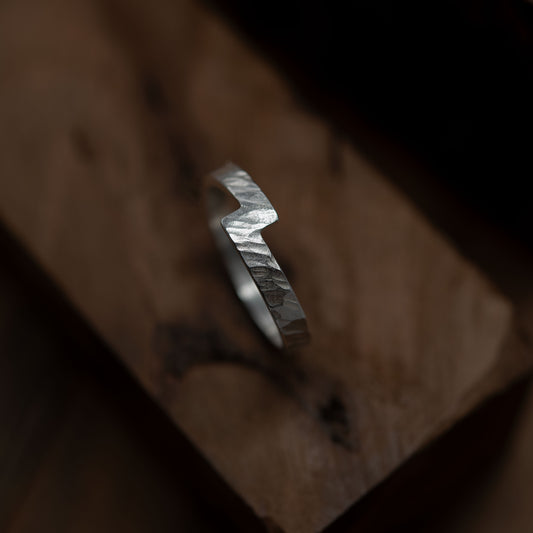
[(238, 211)]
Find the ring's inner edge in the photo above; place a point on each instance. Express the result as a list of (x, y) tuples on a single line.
[(219, 204)]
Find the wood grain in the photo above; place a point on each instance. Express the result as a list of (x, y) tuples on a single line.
[(110, 115)]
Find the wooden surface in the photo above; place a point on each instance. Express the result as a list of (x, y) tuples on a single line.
[(78, 449), (110, 114), (96, 460), (503, 502)]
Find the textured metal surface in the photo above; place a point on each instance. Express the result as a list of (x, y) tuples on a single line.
[(258, 279)]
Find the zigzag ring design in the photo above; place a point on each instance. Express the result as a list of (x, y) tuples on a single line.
[(258, 279)]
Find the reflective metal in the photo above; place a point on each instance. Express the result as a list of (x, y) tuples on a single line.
[(258, 279)]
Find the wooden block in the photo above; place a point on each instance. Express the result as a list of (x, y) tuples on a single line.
[(109, 118), (35, 387), (78, 452)]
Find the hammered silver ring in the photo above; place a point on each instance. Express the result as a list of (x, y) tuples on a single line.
[(237, 212)]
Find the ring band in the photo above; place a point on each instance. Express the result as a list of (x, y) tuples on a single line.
[(238, 211)]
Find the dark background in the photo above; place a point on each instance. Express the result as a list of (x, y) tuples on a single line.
[(450, 82)]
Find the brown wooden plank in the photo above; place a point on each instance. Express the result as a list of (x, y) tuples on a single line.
[(35, 387), (503, 502), (80, 444), (98, 475), (109, 119)]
